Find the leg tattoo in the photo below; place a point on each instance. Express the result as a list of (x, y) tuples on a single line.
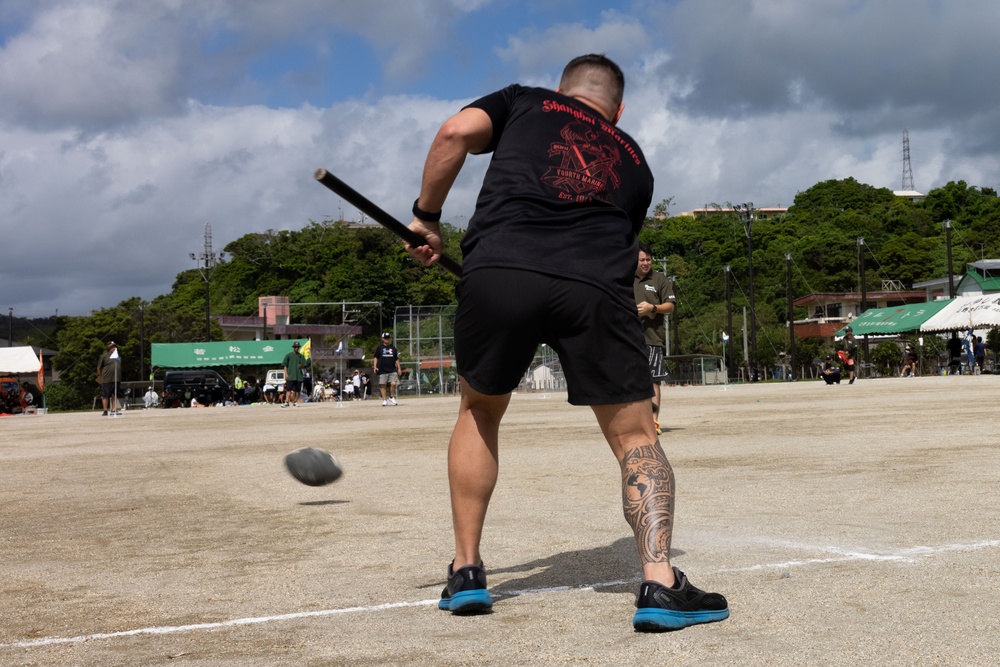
[(648, 500)]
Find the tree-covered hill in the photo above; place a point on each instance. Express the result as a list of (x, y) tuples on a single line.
[(331, 261), (904, 242)]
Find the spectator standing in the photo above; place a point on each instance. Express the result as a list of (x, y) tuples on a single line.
[(109, 375), (979, 350), (954, 354), (851, 352), (386, 367), (909, 364), (294, 364), (356, 381), (307, 382), (238, 389), (654, 298)]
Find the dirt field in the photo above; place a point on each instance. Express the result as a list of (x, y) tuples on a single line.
[(847, 525)]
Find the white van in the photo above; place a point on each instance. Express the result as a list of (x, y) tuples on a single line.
[(275, 377)]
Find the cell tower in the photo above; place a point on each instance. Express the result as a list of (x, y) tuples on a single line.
[(907, 169)]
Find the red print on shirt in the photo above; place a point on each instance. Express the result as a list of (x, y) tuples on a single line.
[(587, 163)]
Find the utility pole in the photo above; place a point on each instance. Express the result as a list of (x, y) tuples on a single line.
[(207, 261), (864, 298), (676, 318), (10, 327), (745, 212), (729, 323), (951, 271), (791, 316), (142, 340)]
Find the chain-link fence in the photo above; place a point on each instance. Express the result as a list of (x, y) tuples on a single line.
[(425, 337)]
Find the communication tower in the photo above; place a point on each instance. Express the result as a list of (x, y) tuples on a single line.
[(907, 169)]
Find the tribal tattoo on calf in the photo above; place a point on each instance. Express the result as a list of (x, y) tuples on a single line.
[(648, 500)]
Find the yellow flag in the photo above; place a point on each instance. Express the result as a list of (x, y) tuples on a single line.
[(307, 348)]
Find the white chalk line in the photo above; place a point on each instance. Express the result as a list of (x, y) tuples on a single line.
[(907, 555), (173, 629)]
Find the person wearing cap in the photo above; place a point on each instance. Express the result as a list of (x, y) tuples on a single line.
[(909, 363), (385, 364), (851, 349), (831, 370), (109, 374), (293, 363)]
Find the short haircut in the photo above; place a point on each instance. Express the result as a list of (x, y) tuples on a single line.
[(644, 247), (594, 72)]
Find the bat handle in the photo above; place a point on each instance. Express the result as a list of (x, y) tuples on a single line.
[(364, 205)]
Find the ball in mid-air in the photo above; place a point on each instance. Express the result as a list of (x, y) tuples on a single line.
[(314, 467)]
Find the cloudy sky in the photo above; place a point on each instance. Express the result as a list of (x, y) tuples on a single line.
[(126, 126)]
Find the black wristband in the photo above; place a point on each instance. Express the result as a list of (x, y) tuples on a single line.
[(421, 214)]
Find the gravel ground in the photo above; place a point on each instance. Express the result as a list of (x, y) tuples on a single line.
[(847, 525)]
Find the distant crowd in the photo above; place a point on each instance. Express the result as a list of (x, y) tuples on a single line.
[(254, 391)]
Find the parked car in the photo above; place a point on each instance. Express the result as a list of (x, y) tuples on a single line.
[(204, 385)]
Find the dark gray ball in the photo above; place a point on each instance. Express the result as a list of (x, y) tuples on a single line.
[(314, 467)]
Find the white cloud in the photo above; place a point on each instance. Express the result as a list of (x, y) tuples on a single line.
[(621, 37), (118, 213), (86, 66), (119, 139)]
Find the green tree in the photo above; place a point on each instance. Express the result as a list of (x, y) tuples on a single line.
[(887, 357), (82, 342), (334, 261)]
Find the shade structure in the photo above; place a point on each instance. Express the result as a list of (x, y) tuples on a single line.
[(20, 359), (966, 312), (228, 353), (894, 319)]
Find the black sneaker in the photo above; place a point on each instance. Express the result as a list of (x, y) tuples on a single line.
[(104, 414), (660, 608), (466, 591)]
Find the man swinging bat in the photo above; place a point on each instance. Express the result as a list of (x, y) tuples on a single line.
[(549, 257)]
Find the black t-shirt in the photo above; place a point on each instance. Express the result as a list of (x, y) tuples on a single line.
[(565, 194), (386, 356)]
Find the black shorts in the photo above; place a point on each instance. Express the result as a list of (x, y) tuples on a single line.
[(108, 389), (505, 314), (293, 385)]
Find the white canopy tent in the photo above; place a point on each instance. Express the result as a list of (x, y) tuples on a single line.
[(966, 312), (16, 360)]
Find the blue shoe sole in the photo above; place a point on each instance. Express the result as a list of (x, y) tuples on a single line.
[(467, 602), (661, 620)]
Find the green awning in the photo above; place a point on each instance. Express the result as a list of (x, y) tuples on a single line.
[(894, 319), (227, 353)]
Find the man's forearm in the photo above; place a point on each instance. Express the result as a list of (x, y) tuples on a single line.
[(466, 132)]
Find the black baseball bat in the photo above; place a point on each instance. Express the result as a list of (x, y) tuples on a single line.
[(366, 206)]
